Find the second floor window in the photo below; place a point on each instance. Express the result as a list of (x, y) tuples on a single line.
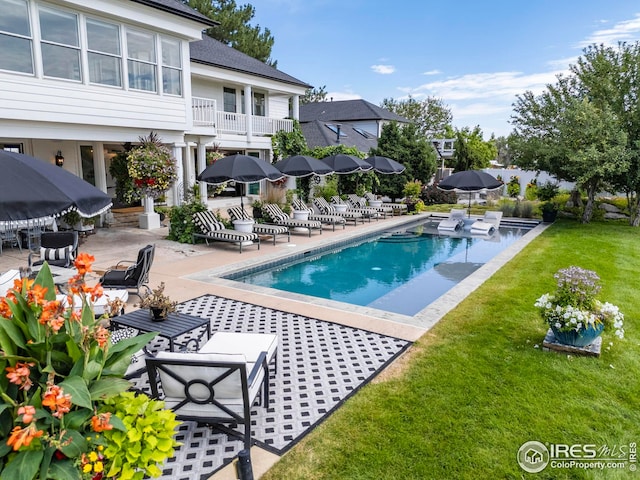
[(15, 37), (258, 104), (60, 44), (141, 61), (105, 59), (171, 67), (229, 99)]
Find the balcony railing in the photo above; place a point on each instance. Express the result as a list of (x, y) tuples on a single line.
[(206, 114)]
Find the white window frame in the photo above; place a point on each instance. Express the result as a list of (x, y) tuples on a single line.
[(28, 37), (77, 48), (102, 53)]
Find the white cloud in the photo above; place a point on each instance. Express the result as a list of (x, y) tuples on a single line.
[(383, 69), (337, 96), (627, 30), (432, 72)]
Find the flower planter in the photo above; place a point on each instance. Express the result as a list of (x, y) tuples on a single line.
[(157, 314), (243, 225), (581, 338)]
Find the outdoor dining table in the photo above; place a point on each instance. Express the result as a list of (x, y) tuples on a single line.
[(174, 326)]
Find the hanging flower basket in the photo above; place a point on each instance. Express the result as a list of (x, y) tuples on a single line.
[(151, 167)]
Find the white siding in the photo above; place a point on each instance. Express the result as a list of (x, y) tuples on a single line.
[(59, 101), (278, 106)]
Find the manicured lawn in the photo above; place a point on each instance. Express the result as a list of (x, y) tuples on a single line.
[(476, 387)]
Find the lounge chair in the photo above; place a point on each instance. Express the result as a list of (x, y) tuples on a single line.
[(275, 215), (211, 229), (239, 213), (332, 220), (454, 222), (133, 277), (488, 224), (56, 248), (215, 388), (367, 213), (398, 208), (361, 202), (328, 209)]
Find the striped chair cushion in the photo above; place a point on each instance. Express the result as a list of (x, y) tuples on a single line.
[(275, 212), (324, 206), (238, 213), (56, 253)]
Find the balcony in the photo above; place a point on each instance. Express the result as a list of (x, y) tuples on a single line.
[(206, 116)]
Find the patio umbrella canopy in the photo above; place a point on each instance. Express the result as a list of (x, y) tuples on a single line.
[(342, 163), (302, 166), (32, 189), (240, 168), (470, 181), (385, 165)]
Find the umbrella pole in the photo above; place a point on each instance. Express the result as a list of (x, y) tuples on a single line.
[(469, 209)]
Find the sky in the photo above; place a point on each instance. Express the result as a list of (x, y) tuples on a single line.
[(475, 56)]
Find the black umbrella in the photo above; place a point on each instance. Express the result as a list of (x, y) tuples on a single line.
[(470, 181), (342, 163), (32, 189), (302, 166), (241, 168), (384, 164)]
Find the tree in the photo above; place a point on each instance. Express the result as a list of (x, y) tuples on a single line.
[(286, 144), (234, 29), (316, 94), (430, 115), (504, 153), (472, 152), (410, 147), (585, 127)]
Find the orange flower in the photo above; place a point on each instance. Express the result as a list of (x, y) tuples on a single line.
[(96, 292), (23, 436), (100, 422), (36, 294), (5, 310), (83, 263), (18, 283), (57, 401), (27, 412), (102, 336), (56, 323), (20, 375)]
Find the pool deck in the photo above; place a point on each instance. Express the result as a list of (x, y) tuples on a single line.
[(193, 270)]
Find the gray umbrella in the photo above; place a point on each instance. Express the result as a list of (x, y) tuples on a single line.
[(343, 163), (385, 165), (32, 189), (241, 168), (470, 181), (303, 166)]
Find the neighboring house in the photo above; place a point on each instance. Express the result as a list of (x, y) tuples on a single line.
[(354, 123), (82, 78)]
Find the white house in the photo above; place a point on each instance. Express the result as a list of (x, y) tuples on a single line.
[(79, 79)]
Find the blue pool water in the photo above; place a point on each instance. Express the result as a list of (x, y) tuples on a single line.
[(401, 272)]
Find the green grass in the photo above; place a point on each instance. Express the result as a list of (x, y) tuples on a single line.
[(475, 387)]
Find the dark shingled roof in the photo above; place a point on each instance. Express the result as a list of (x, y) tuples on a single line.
[(210, 51), (178, 8), (317, 134), (346, 111)]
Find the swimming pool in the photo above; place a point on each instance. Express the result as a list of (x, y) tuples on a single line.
[(401, 271)]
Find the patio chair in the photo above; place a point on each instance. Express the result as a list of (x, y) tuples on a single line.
[(366, 212), (487, 224), (56, 248), (454, 222), (275, 215), (332, 220), (398, 208), (133, 277), (361, 202), (328, 209), (239, 213), (216, 389), (9, 235), (212, 229)]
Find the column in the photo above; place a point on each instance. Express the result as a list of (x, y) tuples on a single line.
[(177, 190), (202, 164), (248, 104), (295, 106)]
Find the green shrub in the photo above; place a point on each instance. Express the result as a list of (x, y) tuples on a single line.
[(526, 210), (513, 187), (547, 191), (432, 195), (182, 228)]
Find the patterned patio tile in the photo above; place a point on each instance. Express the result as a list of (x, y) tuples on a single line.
[(319, 365)]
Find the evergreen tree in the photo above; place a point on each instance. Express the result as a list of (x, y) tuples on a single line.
[(235, 30)]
